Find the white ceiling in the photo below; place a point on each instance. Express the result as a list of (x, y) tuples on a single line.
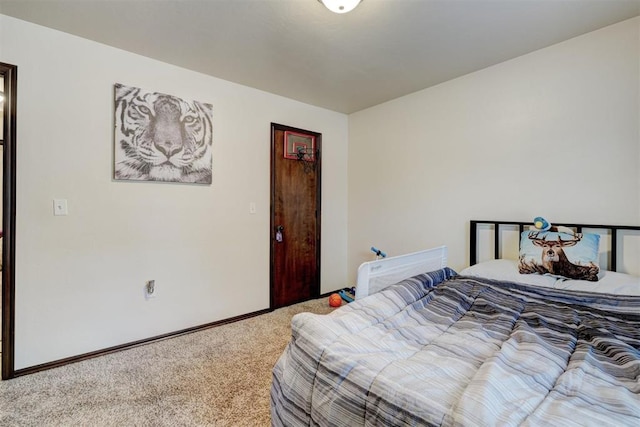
[(382, 50)]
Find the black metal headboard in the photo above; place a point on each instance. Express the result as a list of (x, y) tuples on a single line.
[(612, 230)]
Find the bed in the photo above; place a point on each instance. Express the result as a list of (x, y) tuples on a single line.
[(487, 346)]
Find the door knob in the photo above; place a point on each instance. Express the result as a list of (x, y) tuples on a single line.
[(279, 230)]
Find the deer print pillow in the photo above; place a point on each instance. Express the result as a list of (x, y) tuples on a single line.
[(573, 256)]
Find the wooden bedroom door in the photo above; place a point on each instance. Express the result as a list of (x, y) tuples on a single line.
[(9, 87), (295, 215)]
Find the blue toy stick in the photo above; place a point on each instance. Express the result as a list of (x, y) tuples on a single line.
[(378, 252)]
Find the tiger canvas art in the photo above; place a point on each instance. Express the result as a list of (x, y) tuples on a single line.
[(161, 137)]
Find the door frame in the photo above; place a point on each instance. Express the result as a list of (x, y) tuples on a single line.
[(10, 74), (315, 292)]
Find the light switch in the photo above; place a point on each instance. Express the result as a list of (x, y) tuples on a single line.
[(60, 207), (252, 207)]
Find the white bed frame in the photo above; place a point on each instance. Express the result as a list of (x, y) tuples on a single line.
[(373, 276)]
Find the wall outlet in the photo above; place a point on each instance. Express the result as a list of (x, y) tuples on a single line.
[(150, 290)]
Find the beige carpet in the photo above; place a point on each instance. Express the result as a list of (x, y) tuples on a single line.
[(217, 377)]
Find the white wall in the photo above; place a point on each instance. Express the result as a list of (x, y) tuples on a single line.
[(80, 278), (552, 133)]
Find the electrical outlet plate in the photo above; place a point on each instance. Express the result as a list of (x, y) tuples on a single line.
[(150, 289)]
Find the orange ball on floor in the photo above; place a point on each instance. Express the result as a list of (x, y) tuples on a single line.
[(335, 300)]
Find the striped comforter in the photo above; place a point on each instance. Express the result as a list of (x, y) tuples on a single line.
[(463, 351)]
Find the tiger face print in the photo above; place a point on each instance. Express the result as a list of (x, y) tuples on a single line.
[(161, 137)]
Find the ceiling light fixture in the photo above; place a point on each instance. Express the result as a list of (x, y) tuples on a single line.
[(340, 6)]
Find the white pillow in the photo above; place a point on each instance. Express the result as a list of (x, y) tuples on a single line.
[(506, 270), (610, 282)]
